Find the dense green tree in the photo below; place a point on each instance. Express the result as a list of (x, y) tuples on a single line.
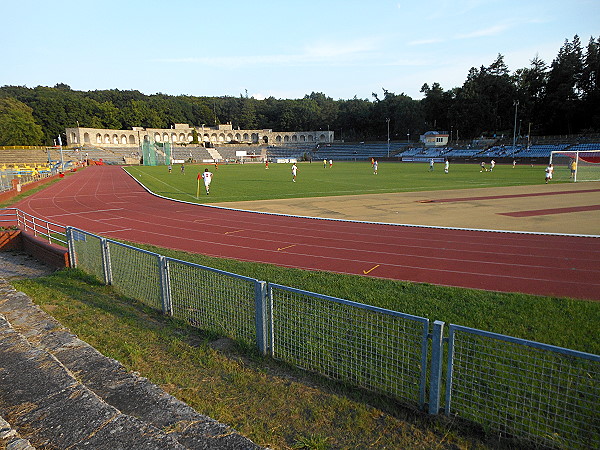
[(531, 90), (564, 88), (17, 125), (590, 85)]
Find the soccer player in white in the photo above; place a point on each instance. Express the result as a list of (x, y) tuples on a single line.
[(207, 177)]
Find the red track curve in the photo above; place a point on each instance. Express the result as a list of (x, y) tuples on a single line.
[(107, 201)]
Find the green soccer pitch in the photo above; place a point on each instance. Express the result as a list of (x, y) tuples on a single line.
[(241, 182)]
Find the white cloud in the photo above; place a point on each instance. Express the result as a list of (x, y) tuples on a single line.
[(328, 53), (426, 41), (490, 31)]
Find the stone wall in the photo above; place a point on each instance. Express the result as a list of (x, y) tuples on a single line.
[(182, 134)]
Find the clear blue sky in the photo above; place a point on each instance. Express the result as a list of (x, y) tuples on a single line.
[(284, 49)]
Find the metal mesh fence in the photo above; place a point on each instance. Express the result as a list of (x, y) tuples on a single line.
[(517, 388), (213, 300), (88, 253), (522, 389), (136, 273), (371, 347)]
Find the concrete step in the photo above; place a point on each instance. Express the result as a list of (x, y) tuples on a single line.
[(57, 391)]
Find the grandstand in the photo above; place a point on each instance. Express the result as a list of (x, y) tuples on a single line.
[(540, 151), (195, 153), (11, 157), (337, 151), (357, 151), (536, 151), (583, 147), (462, 153)]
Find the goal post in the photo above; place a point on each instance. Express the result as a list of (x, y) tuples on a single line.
[(576, 165)]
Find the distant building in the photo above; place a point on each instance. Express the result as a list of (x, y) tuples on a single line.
[(435, 138), (182, 134)]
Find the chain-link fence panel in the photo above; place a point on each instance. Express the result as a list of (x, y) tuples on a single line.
[(213, 300), (371, 347), (523, 389)]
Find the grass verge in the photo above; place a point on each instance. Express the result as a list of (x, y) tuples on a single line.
[(272, 404)]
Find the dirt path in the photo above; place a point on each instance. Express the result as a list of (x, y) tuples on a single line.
[(554, 208)]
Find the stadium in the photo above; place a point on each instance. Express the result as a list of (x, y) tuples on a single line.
[(406, 224)]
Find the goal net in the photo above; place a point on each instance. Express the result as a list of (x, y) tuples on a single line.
[(576, 165)]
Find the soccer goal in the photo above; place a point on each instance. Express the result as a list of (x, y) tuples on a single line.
[(576, 165)]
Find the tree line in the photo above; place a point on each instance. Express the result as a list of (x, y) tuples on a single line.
[(560, 98)]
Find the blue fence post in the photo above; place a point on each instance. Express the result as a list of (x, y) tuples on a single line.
[(449, 370), (106, 261), (261, 319), (423, 381), (71, 246), (165, 285), (437, 353)]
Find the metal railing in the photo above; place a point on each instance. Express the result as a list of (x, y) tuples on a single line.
[(52, 232), (23, 176), (516, 388)]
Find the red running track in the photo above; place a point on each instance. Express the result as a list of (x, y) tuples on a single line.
[(107, 201)]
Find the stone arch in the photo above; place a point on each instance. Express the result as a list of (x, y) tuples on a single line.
[(181, 137), (322, 137), (107, 138), (255, 137), (246, 137), (286, 139), (173, 137), (131, 139), (265, 139), (98, 138), (165, 137), (294, 138), (213, 137), (310, 138), (206, 138), (238, 137), (221, 137), (115, 139), (86, 138), (229, 137), (302, 138), (278, 138), (157, 137)]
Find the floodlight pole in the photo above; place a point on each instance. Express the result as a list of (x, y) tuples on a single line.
[(388, 139), (516, 103), (62, 163)]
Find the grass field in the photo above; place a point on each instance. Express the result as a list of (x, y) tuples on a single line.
[(236, 182)]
